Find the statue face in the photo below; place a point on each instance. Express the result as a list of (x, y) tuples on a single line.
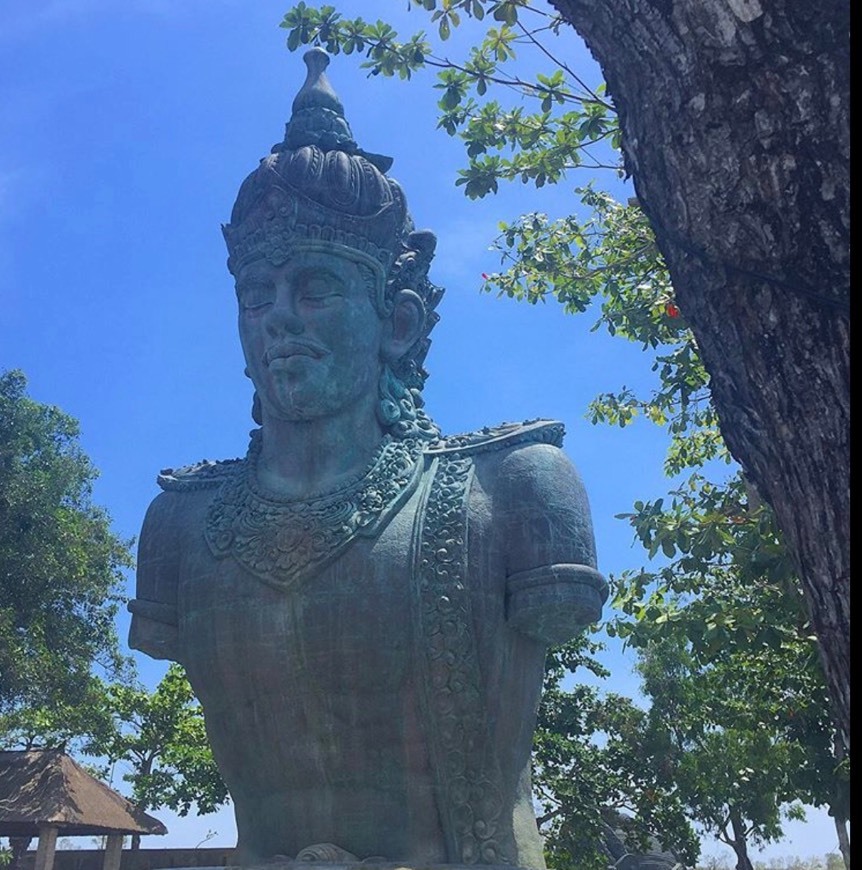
[(310, 333)]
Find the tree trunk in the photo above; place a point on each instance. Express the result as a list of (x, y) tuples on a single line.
[(740, 843), (735, 120), (145, 770), (843, 840)]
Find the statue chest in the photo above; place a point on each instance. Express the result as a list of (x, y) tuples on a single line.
[(341, 630)]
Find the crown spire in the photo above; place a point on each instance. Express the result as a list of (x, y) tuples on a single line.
[(317, 91), (318, 115)]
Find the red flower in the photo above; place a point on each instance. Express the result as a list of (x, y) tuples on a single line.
[(484, 276), (671, 310)]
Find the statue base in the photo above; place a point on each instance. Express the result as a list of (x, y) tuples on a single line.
[(352, 865)]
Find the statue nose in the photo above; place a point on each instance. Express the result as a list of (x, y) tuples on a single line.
[(282, 319)]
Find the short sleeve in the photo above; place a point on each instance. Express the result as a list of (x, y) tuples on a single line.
[(154, 609), (553, 589)]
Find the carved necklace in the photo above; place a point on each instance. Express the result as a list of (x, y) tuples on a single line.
[(283, 541)]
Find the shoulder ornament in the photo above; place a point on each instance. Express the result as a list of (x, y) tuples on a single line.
[(491, 438), (205, 474)]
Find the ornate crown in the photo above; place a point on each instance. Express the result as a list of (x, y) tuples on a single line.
[(318, 185)]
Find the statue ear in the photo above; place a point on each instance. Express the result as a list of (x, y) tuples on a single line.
[(403, 327)]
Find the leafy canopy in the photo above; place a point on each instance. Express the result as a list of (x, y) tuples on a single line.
[(61, 566), (558, 123), (161, 740), (594, 774)]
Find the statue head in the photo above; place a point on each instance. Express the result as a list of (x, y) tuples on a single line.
[(318, 196)]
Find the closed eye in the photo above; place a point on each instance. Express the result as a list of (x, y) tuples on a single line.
[(256, 296), (319, 289), (322, 300)]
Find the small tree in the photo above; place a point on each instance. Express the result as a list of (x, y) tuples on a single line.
[(736, 781), (592, 767), (162, 738), (61, 566)]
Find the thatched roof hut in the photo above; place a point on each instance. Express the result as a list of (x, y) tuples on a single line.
[(44, 793)]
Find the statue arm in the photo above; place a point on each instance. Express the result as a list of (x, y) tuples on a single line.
[(553, 589), (154, 608)]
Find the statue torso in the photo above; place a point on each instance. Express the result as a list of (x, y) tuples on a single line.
[(367, 700)]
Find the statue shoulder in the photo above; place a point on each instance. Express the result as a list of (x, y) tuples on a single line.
[(540, 504), (206, 474), (531, 505), (492, 439)]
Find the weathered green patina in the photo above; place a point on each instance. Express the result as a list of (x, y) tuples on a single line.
[(362, 605)]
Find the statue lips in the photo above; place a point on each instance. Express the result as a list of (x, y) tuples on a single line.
[(280, 354)]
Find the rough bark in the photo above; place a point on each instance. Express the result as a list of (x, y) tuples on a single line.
[(735, 120)]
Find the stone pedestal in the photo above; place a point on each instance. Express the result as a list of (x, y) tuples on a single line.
[(351, 865)]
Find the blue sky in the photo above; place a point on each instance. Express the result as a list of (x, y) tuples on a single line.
[(125, 132)]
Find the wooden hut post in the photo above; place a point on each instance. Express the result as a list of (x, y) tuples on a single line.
[(45, 849), (113, 852)]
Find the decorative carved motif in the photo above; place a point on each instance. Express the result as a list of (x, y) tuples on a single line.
[(327, 852), (282, 541), (467, 774), (205, 474), (505, 435)]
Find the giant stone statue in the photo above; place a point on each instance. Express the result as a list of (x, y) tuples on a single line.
[(362, 605)]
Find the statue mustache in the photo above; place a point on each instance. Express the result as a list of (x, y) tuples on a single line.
[(294, 348)]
